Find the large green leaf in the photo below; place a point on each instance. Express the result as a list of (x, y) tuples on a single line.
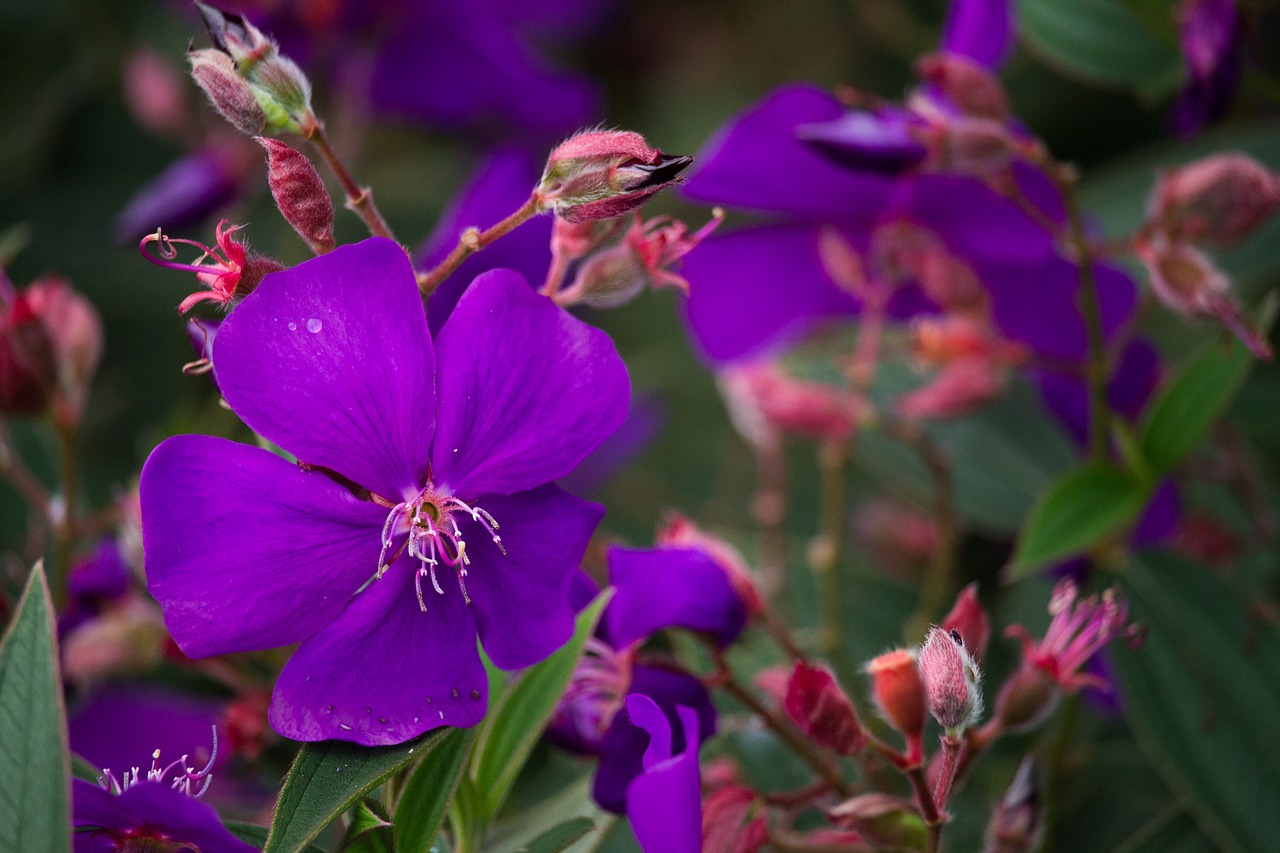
[(1190, 402), (1203, 697), (516, 722), (329, 777), (1079, 510), (35, 763), (560, 837), (1100, 41), (425, 799)]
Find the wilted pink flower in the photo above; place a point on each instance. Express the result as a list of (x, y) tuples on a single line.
[(600, 174), (229, 271), (1079, 628), (959, 388), (1218, 199)]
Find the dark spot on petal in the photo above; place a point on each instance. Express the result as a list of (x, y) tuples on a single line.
[(475, 694), (382, 719), (455, 693), (368, 710)]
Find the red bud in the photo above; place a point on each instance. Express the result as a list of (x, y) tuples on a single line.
[(899, 695), (300, 194), (733, 821), (969, 619), (821, 709)]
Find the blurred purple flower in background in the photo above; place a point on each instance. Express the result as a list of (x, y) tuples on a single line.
[(664, 803), (1211, 33), (332, 361)]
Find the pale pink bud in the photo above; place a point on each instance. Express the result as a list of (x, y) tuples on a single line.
[(154, 91), (951, 680), (605, 173), (215, 74), (300, 194), (679, 531), (959, 388), (75, 330), (1219, 199), (819, 707), (899, 695), (882, 820), (969, 620), (733, 821), (968, 85), (967, 145)]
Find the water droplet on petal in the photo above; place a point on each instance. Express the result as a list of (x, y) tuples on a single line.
[(314, 325), (293, 327)]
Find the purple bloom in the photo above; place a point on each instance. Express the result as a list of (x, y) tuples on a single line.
[(982, 30), (664, 803), (380, 551), (1211, 32), (144, 817), (93, 583), (670, 587), (186, 193), (880, 140)]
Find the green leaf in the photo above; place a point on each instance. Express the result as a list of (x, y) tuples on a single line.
[(329, 777), (1079, 510), (428, 792), (516, 722), (1203, 696), (369, 830), (83, 770), (559, 837), (35, 763), (1101, 41), (1190, 402)]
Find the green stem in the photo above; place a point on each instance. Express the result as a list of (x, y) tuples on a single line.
[(473, 240)]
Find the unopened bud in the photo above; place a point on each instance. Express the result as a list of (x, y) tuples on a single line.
[(608, 279), (72, 336), (215, 74), (899, 696), (968, 85), (1026, 700), (300, 194), (816, 703), (882, 820), (605, 173), (951, 680), (28, 367), (154, 91), (733, 821), (959, 388), (282, 91), (969, 620), (1016, 826), (1219, 199), (809, 409)]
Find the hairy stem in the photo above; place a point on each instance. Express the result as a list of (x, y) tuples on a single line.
[(472, 240)]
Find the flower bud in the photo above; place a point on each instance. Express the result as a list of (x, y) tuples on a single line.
[(1015, 825), (1219, 199), (300, 194), (28, 367), (883, 821), (282, 91), (215, 74), (899, 695), (951, 680), (50, 346), (969, 620), (973, 146), (154, 91), (1026, 700), (605, 173), (816, 704), (969, 86), (959, 388), (733, 821), (245, 726)]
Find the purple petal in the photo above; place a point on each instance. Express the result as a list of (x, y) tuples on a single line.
[(153, 806), (521, 601), (670, 588), (526, 390), (246, 551), (979, 29), (120, 725), (759, 289), (623, 746), (976, 222), (1135, 378), (104, 575), (664, 804), (877, 141), (644, 422), (499, 187), (383, 671), (332, 361), (759, 162), (1160, 519), (183, 195)]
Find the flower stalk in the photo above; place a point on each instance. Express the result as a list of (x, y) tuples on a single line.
[(473, 240)]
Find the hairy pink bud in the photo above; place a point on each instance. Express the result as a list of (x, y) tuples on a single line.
[(1219, 199), (215, 74), (300, 194), (605, 173), (821, 709), (951, 679)]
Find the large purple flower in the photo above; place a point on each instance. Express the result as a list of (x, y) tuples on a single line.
[(380, 551), (148, 816)]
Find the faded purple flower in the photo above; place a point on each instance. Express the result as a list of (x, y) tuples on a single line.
[(1211, 32), (982, 30), (380, 552), (664, 803), (185, 194)]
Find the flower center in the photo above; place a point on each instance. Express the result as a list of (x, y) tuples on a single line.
[(186, 778), (430, 522)]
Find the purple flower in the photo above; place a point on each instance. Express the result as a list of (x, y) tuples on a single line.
[(379, 552), (186, 193), (93, 583), (664, 803), (982, 30), (1211, 33), (661, 588), (145, 817)]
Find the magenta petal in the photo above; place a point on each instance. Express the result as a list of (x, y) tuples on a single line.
[(526, 390), (521, 601), (664, 804), (759, 162), (246, 551), (332, 361), (383, 671), (759, 289)]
